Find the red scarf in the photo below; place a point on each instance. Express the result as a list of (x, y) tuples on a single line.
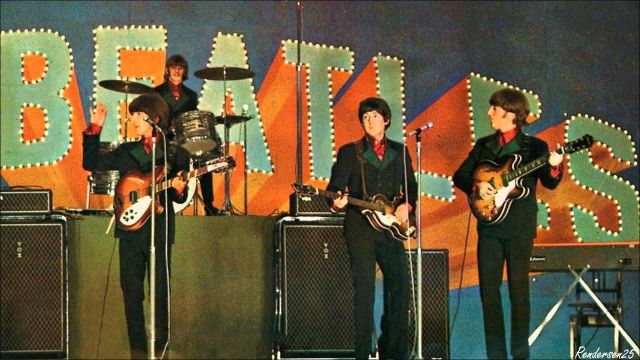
[(175, 90), (378, 146)]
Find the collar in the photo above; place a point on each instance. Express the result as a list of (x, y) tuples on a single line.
[(505, 138), (375, 143)]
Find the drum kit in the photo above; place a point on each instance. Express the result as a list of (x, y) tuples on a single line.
[(193, 130)]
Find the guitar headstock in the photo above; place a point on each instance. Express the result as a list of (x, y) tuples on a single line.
[(304, 190), (230, 161), (582, 143)]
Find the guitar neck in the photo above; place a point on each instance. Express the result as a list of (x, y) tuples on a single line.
[(353, 201), (526, 169), (163, 185)]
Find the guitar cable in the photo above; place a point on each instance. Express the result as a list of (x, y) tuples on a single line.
[(104, 298), (464, 259)]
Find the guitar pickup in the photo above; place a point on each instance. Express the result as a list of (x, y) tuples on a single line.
[(133, 197)]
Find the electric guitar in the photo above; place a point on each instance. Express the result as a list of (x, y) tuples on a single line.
[(379, 211), (132, 200), (507, 180)]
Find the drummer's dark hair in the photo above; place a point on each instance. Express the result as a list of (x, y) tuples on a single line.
[(177, 60), (153, 105), (377, 104)]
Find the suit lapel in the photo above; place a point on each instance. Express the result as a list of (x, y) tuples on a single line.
[(390, 153)]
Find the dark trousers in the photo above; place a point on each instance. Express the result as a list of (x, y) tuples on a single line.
[(206, 187), (492, 254), (365, 249), (134, 263)]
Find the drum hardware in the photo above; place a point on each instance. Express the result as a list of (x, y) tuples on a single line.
[(127, 87), (195, 131), (225, 73)]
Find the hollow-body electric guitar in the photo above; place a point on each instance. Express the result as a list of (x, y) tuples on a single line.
[(507, 180), (132, 200), (379, 211)]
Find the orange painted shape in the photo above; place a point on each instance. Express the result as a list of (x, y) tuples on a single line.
[(143, 64), (33, 122), (33, 67)]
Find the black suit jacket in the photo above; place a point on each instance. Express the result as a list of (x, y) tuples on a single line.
[(131, 156), (521, 219), (188, 100), (386, 177)]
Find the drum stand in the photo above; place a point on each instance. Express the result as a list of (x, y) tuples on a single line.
[(227, 208)]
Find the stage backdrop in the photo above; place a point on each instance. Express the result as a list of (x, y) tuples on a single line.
[(433, 62)]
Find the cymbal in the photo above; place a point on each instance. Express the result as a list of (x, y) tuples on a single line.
[(224, 73), (232, 119), (125, 86)]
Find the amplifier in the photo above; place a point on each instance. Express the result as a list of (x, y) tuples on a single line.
[(310, 206), (597, 256), (25, 202)]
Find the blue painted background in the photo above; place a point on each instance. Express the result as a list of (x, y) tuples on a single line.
[(580, 57)]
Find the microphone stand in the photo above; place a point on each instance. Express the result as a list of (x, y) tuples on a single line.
[(418, 134), (152, 251), (419, 245), (299, 97)]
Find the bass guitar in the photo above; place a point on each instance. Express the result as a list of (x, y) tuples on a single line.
[(132, 200), (507, 180), (379, 211)]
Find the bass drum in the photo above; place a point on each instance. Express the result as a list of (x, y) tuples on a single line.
[(192, 186)]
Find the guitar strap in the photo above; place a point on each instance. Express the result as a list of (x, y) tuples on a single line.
[(359, 152)]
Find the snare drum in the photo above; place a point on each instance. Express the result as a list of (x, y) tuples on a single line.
[(104, 182), (194, 131)]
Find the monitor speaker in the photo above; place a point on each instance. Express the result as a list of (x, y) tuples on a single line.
[(314, 293), (435, 304), (33, 287), (314, 290)]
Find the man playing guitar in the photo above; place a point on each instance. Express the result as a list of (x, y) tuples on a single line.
[(509, 240), (370, 166), (134, 245)]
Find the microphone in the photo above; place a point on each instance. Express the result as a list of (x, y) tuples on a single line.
[(154, 124), (426, 126)]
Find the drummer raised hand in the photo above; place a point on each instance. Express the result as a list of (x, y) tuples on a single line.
[(99, 114)]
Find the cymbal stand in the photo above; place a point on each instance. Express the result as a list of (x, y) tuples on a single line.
[(246, 206), (228, 208)]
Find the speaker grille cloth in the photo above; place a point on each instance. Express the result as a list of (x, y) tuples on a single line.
[(319, 292), (32, 287), (435, 305), (26, 202)]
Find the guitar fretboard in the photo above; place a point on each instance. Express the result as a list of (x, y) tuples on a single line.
[(353, 201), (576, 145), (163, 185), (526, 169)]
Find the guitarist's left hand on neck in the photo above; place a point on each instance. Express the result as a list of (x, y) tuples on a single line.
[(555, 158), (179, 183)]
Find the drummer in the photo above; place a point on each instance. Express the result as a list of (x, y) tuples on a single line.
[(182, 99)]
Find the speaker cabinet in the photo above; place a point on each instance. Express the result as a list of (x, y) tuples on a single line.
[(435, 304), (314, 292), (34, 287)]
